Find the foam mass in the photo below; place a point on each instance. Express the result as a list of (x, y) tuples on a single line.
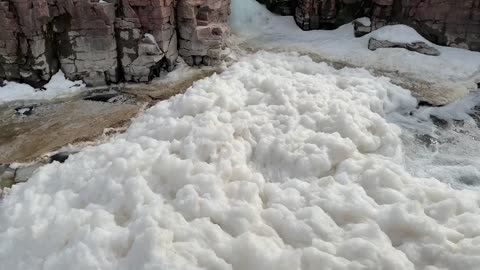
[(277, 163)]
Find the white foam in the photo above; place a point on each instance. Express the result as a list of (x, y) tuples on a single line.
[(277, 163)]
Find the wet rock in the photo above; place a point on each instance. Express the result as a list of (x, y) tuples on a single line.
[(469, 180), (102, 97), (427, 139), (22, 174), (420, 47), (459, 123), (61, 157), (113, 97), (24, 111), (7, 176), (441, 123), (6, 173), (476, 118)]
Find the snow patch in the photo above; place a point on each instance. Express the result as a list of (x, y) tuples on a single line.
[(57, 87)]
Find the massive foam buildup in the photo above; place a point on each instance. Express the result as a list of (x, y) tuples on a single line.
[(277, 163)]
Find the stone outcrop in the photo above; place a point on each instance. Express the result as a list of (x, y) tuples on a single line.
[(107, 41), (420, 47), (444, 22), (146, 36), (202, 28)]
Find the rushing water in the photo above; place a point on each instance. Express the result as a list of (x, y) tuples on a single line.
[(444, 142)]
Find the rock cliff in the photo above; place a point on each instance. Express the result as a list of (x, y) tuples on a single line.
[(107, 41), (445, 22)]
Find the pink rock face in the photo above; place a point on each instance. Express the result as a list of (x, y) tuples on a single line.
[(106, 41), (146, 24), (8, 42), (203, 28)]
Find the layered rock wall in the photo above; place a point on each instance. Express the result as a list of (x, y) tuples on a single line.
[(108, 40), (445, 22), (202, 28)]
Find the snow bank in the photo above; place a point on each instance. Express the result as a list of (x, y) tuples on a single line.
[(398, 33), (449, 76), (58, 87), (277, 163)]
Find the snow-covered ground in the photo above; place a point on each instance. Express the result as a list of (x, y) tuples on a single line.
[(439, 79), (277, 163), (58, 87)]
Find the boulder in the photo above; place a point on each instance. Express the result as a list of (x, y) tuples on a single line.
[(420, 47)]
